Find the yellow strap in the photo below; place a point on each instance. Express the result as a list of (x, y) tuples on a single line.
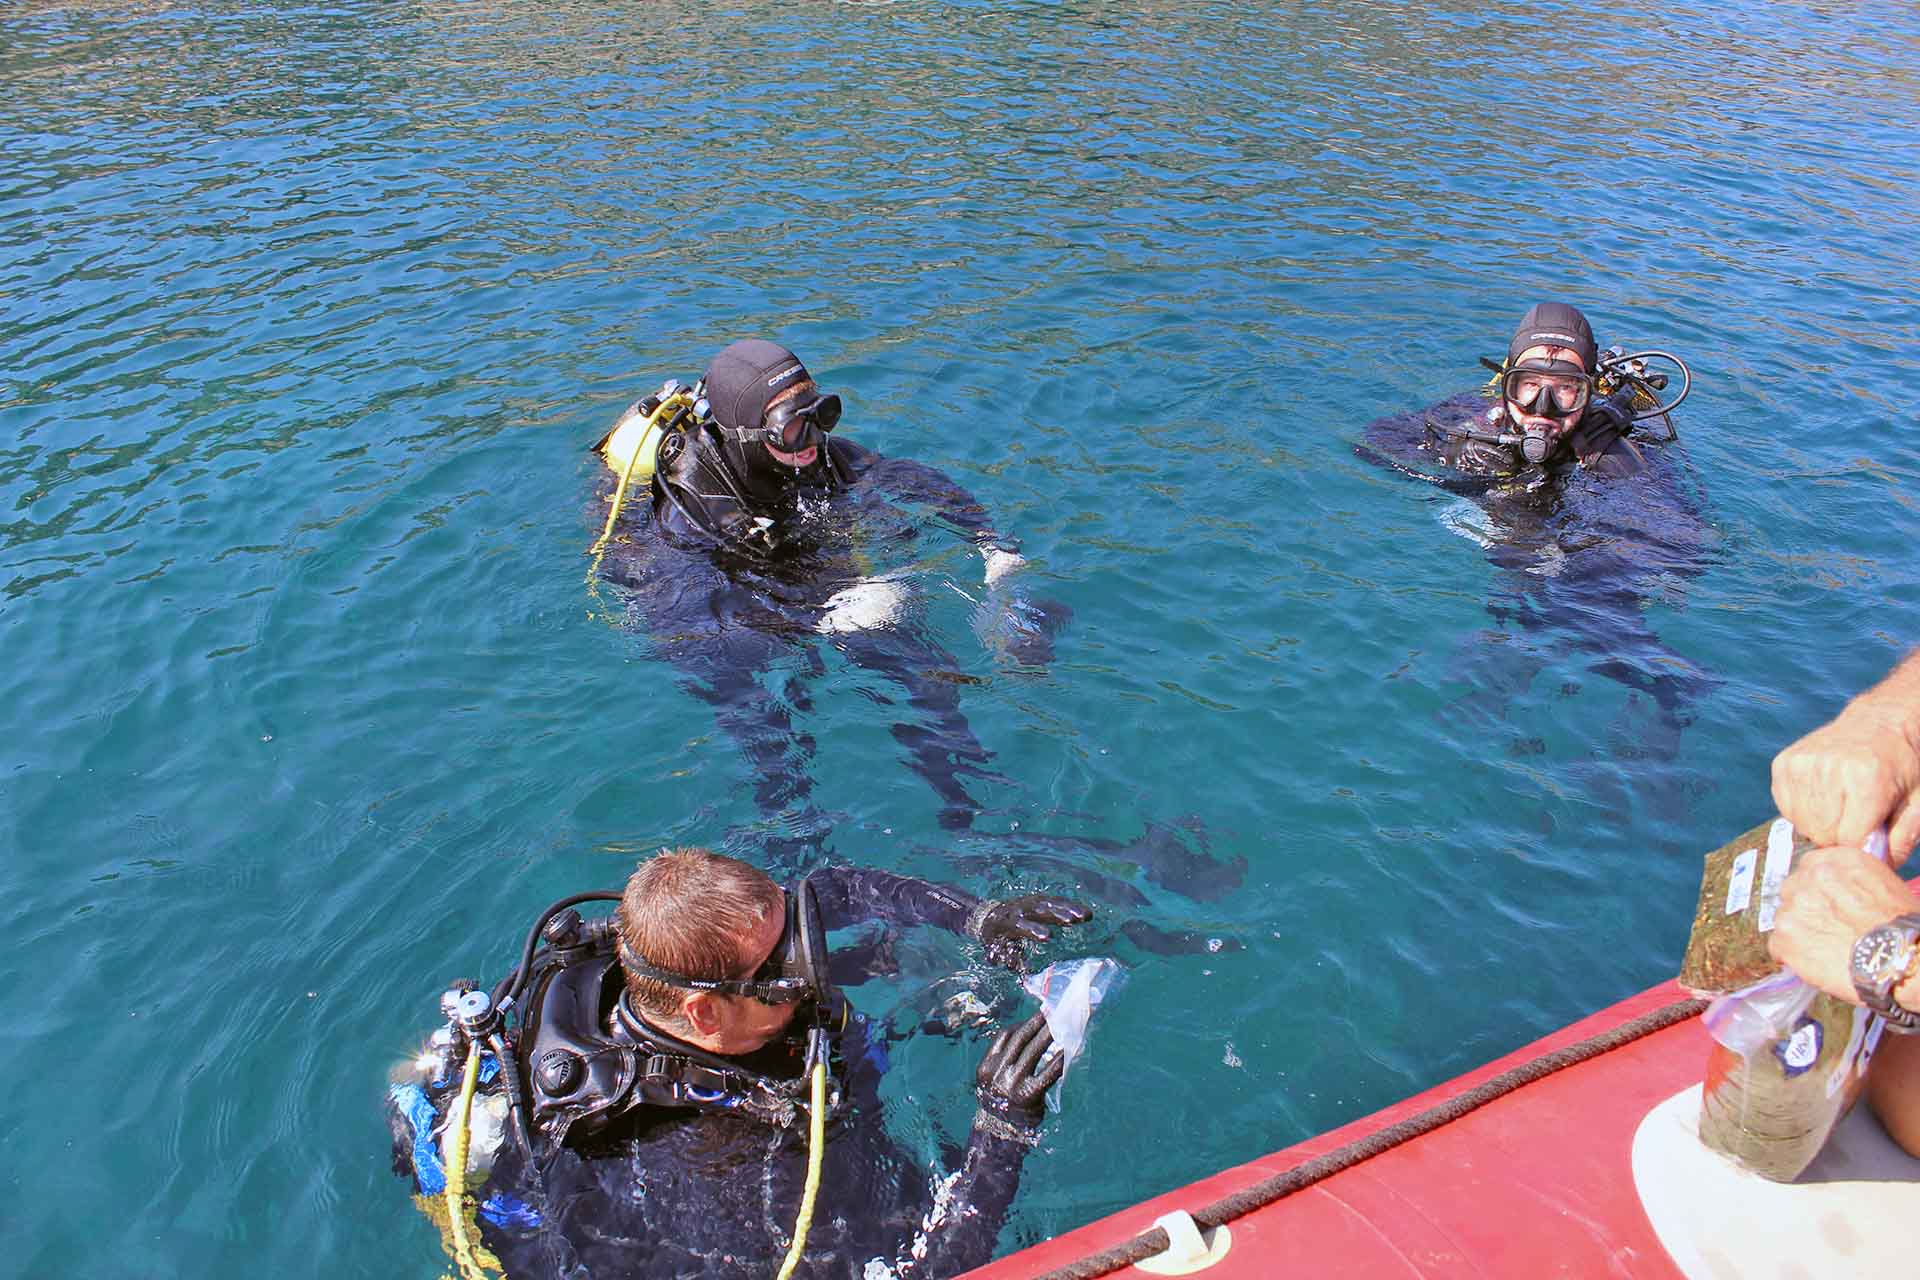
[(816, 1153)]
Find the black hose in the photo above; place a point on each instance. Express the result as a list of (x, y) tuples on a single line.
[(518, 1104), (1616, 364), (512, 985)]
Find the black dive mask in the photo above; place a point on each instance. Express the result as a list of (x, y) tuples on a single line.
[(763, 478), (796, 968), (1552, 390), (790, 426)]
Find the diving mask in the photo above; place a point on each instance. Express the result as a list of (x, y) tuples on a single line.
[(795, 970), (788, 425), (1551, 389)]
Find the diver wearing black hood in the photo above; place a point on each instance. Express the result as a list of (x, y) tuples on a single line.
[(736, 475), (1559, 401), (1588, 516), (766, 529), (651, 1114)]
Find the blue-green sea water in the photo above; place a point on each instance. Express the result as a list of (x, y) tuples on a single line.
[(308, 312)]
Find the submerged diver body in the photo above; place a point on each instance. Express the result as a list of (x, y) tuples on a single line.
[(1566, 490), (653, 1113), (765, 532)]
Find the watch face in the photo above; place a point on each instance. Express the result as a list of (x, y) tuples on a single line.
[(1874, 954)]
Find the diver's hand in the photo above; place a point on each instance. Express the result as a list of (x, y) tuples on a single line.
[(1832, 897), (1017, 629), (1000, 562), (1020, 1066), (1845, 778), (1005, 928)]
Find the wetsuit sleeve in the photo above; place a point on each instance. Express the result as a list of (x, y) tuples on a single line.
[(969, 1208), (921, 485), (850, 895), (1431, 443)]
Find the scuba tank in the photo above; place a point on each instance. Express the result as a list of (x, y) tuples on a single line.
[(632, 446)]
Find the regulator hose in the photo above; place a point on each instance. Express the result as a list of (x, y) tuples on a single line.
[(463, 1258), (816, 1157), (516, 1095), (1616, 364)]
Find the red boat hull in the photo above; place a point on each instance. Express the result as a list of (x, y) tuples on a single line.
[(1537, 1183)]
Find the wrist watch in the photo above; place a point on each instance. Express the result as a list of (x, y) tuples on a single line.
[(1882, 959)]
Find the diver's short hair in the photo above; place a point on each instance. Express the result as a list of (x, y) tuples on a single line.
[(688, 911)]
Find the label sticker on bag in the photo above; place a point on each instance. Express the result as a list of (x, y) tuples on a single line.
[(1740, 883)]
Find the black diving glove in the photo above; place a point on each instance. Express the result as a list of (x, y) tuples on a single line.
[(1020, 1066), (1005, 928)]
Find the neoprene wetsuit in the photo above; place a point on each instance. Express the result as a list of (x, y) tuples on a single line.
[(685, 1193), (732, 582), (1584, 546), (1599, 442)]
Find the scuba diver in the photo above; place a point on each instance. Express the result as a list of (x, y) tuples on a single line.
[(679, 1066), (1558, 401), (1568, 482), (764, 531)]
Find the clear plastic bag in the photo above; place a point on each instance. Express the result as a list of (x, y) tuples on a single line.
[(1754, 1016), (1787, 1064), (1069, 991)]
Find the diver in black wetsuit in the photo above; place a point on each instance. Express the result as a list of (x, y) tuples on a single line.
[(1555, 407), (1565, 489), (650, 1118), (766, 530)]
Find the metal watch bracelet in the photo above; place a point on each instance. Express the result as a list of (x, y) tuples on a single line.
[(1871, 980)]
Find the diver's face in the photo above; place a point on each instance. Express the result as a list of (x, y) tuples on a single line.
[(1534, 402), (795, 423), (746, 1024), (804, 458)]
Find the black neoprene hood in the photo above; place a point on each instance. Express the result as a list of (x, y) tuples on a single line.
[(1555, 324), (745, 376)]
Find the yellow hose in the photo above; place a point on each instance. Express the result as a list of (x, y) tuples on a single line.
[(816, 1156), (599, 547), (463, 1258), (620, 494)]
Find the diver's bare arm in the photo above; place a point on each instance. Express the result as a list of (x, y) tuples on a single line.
[(1859, 771)]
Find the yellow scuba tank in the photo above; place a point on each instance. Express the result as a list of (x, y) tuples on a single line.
[(630, 448)]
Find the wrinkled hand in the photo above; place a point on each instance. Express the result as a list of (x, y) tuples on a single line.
[(1831, 898), (1006, 927), (1020, 1066), (1845, 778)]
